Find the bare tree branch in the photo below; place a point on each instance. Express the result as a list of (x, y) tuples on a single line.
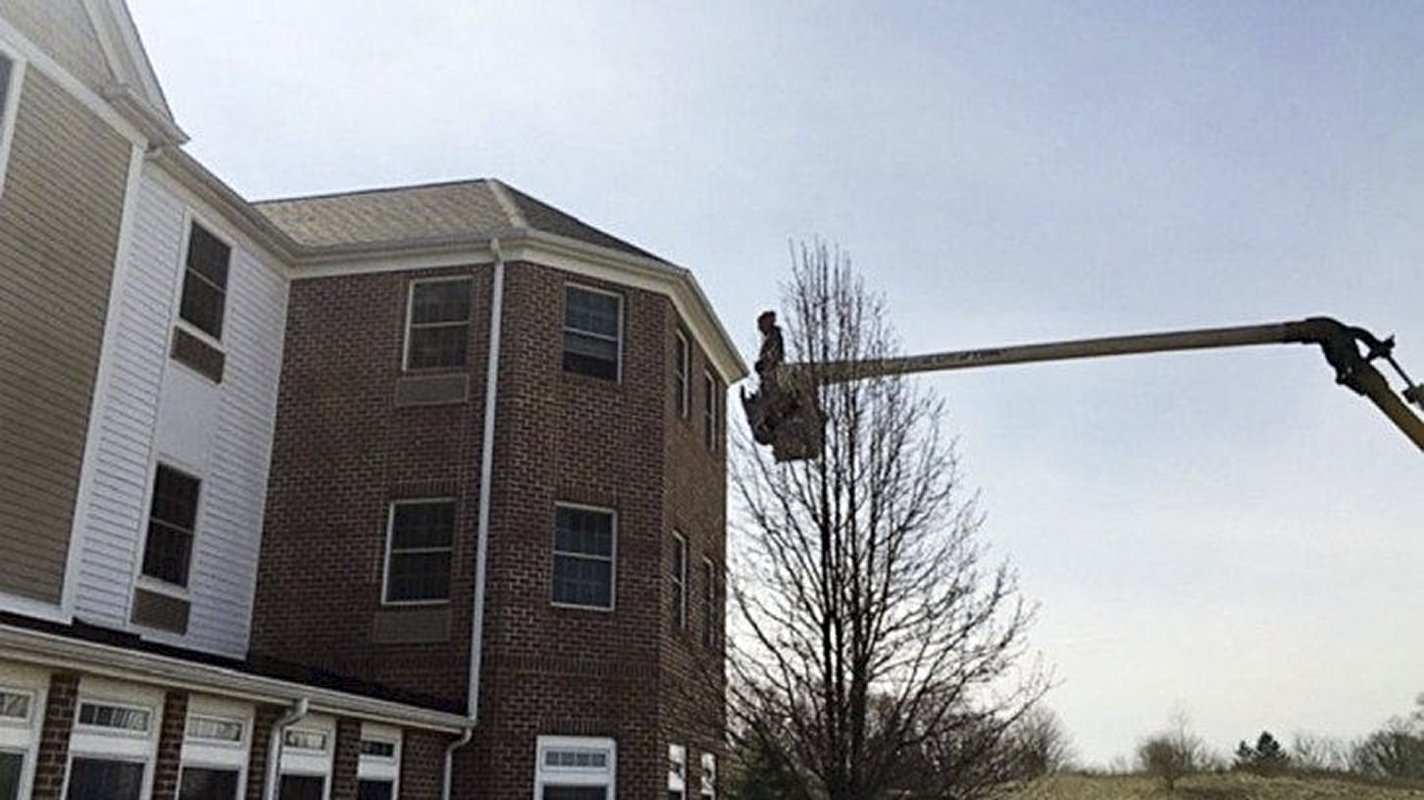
[(877, 649)]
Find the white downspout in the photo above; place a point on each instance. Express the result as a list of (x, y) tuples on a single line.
[(446, 779), (477, 616), (274, 745)]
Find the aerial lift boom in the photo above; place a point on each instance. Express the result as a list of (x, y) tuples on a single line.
[(785, 414)]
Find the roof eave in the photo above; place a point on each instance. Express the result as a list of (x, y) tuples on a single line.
[(521, 243), (53, 650)]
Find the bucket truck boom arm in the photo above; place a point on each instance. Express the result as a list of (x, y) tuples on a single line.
[(785, 414)]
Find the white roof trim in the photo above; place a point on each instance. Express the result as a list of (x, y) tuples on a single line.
[(92, 658), (128, 61), (519, 244)]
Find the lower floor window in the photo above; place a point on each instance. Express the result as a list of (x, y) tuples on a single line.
[(553, 792), (375, 790), (575, 768), (11, 767), (103, 779), (199, 783), (302, 787)]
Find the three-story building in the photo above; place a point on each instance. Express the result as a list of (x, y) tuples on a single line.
[(411, 492)]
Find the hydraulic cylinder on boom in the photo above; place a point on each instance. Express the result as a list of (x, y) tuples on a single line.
[(785, 412)]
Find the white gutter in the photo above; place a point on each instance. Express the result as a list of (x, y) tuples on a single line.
[(63, 652), (300, 709)]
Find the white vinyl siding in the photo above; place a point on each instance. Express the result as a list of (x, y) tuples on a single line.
[(149, 409)]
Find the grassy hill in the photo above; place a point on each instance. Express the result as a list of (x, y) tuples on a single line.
[(1224, 786)]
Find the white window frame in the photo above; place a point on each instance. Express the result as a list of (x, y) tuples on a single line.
[(606, 776), (565, 329), (217, 754), (682, 381), (677, 771), (11, 107), (679, 581), (113, 744), (381, 768), (710, 630), (410, 321), (612, 558), (310, 763), (707, 779), (150, 582), (21, 735), (390, 540), (711, 412), (190, 219)]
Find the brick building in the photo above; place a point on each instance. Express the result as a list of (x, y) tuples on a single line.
[(412, 493)]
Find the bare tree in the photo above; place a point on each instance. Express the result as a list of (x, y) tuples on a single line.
[(1039, 744), (874, 636), (1173, 754)]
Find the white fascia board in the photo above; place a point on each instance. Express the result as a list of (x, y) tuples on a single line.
[(519, 244), (677, 283), (549, 250), (49, 650), (206, 190)]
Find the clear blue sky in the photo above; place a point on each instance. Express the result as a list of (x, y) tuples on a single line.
[(1227, 534)]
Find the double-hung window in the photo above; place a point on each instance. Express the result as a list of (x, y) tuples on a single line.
[(110, 750), (575, 768), (214, 755), (307, 759), (677, 772), (679, 581), (438, 324), (378, 769), (19, 733), (584, 545), (419, 542), (709, 777), (205, 281), (681, 375), (709, 603), (172, 520), (593, 332), (711, 411)]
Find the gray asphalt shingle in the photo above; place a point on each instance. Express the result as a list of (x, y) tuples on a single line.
[(474, 208)]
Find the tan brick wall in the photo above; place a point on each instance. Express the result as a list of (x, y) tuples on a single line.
[(60, 209)]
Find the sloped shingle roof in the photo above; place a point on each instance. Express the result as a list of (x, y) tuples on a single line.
[(475, 208)]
